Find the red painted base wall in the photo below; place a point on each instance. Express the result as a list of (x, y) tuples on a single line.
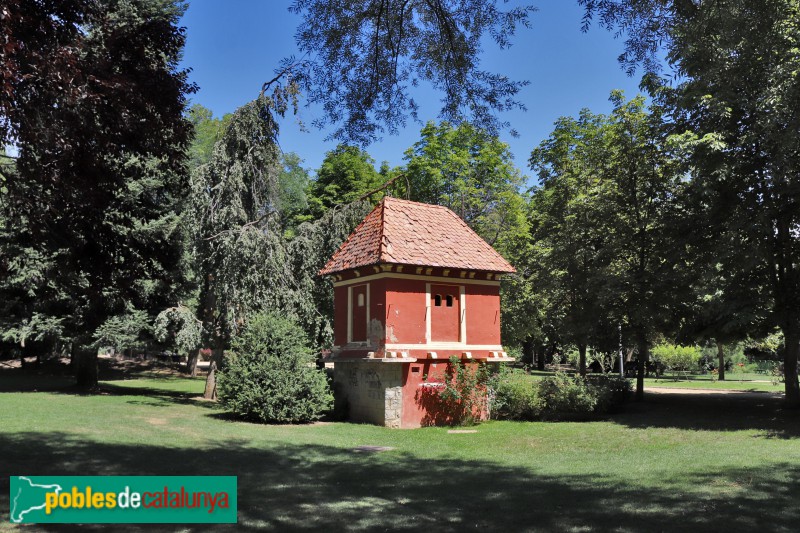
[(422, 406)]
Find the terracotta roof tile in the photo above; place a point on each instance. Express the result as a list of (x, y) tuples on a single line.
[(412, 233)]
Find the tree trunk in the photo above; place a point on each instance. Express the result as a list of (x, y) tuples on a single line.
[(211, 380), (791, 350), (86, 368), (540, 358), (644, 356), (191, 362), (582, 360), (527, 351), (721, 362)]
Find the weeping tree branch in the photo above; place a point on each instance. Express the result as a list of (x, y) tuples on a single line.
[(241, 229)]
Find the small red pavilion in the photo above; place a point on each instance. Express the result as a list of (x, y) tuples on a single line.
[(413, 286)]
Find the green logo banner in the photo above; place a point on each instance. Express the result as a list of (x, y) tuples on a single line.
[(123, 499)]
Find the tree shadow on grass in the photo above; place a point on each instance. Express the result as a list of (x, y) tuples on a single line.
[(19, 381), (311, 487), (714, 412)]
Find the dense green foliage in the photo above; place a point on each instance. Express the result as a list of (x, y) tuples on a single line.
[(556, 397), (270, 375), (515, 397), (207, 131), (179, 329), (93, 98), (365, 57), (472, 173), (464, 393), (248, 251), (676, 358), (733, 108), (566, 234), (603, 247), (346, 175), (293, 183), (232, 224)]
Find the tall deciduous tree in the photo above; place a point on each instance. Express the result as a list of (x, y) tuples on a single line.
[(472, 173), (735, 106), (366, 55), (293, 183), (566, 232), (94, 99), (207, 131), (637, 207), (346, 174)]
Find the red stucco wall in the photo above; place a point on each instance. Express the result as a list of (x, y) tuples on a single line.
[(483, 314), (421, 404), (405, 311), (340, 316)]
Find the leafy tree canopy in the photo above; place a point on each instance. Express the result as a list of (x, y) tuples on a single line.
[(94, 100), (362, 58), (207, 131), (566, 235), (472, 173), (347, 173), (734, 110)]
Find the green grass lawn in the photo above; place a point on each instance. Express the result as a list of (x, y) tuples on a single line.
[(744, 382), (675, 462)]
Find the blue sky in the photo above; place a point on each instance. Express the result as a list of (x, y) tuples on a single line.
[(233, 46)]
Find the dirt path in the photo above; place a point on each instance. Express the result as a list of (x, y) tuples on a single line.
[(714, 392)]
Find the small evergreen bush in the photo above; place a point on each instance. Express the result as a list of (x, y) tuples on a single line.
[(269, 375)]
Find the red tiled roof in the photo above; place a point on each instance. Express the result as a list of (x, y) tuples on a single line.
[(412, 233)]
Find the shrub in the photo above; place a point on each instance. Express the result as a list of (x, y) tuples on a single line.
[(557, 397), (676, 358), (612, 391), (270, 376), (464, 395), (563, 396), (515, 396)]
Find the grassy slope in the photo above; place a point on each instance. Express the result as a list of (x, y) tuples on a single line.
[(686, 462)]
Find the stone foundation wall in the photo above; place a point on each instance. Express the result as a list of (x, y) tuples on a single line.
[(373, 391)]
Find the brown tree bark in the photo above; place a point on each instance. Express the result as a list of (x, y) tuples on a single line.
[(528, 351), (721, 362), (211, 380), (644, 356), (540, 355), (191, 362), (790, 355)]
